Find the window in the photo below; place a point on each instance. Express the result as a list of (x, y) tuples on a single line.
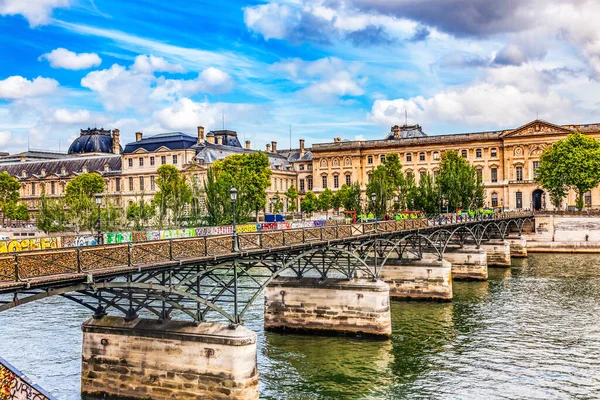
[(422, 175), (409, 174), (370, 160), (324, 181), (478, 153), (369, 177), (421, 156), (336, 181), (519, 173), (463, 154), (33, 188), (587, 199), (493, 153), (130, 162), (151, 161), (323, 163), (480, 174), (52, 188), (335, 162), (141, 161), (175, 159), (153, 183), (163, 160), (141, 183), (436, 155), (519, 197), (348, 180), (301, 167), (536, 166), (302, 185), (309, 167), (118, 184), (309, 183), (494, 175), (409, 157), (494, 199), (131, 183), (382, 158)]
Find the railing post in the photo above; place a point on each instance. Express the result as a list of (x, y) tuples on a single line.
[(79, 269), (303, 235), (129, 246), (283, 236), (205, 246), (171, 249), (16, 263), (260, 240)]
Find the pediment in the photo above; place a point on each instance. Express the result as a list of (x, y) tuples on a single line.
[(139, 150), (536, 128)]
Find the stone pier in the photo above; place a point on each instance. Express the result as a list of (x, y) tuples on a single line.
[(498, 253), (359, 307), (468, 263), (145, 359), (518, 247), (426, 279)]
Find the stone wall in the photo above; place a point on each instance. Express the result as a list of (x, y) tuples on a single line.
[(427, 279), (144, 359), (566, 228), (468, 263)]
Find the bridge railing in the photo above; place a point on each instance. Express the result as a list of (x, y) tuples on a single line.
[(24, 266)]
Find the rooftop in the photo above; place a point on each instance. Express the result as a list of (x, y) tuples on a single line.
[(169, 140)]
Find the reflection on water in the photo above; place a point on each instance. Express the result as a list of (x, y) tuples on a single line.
[(532, 331)]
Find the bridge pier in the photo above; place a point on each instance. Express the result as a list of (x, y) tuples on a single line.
[(145, 359), (518, 247), (358, 307), (468, 263), (498, 253), (426, 279)]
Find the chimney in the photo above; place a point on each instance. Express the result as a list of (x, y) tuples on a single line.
[(247, 145), (216, 140), (268, 148), (200, 134), (396, 131), (210, 138), (116, 141), (138, 136), (274, 147), (301, 147), (22, 158)]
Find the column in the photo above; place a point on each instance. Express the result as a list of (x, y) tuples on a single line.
[(498, 253), (468, 263)]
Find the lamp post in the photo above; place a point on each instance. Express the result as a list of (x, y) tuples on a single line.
[(99, 203), (373, 198), (235, 244), (274, 205)]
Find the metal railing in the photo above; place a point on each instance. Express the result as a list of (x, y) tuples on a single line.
[(27, 265)]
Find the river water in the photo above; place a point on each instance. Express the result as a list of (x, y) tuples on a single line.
[(532, 331)]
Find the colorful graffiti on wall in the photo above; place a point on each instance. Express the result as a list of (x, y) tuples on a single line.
[(15, 386), (117, 237), (29, 244)]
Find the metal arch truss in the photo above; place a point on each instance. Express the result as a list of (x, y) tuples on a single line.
[(227, 289)]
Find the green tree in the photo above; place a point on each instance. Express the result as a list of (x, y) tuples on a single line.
[(336, 201), (277, 203), (140, 213), (79, 196), (218, 203), (17, 211), (292, 196), (9, 192), (309, 203), (52, 215), (427, 198), (571, 163), (172, 196), (350, 196), (324, 201), (457, 182)]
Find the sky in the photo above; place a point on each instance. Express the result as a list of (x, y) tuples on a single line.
[(316, 68)]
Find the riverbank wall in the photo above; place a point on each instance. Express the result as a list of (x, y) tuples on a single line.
[(577, 233)]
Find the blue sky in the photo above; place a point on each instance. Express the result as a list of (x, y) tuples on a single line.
[(327, 68)]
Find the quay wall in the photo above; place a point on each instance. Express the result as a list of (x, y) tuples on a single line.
[(566, 233)]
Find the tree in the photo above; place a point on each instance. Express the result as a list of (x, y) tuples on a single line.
[(140, 213), (218, 202), (52, 216), (173, 194), (349, 196), (9, 192), (79, 196), (571, 163), (325, 200), (17, 211), (457, 182), (277, 203), (427, 198), (309, 203), (292, 196), (336, 201)]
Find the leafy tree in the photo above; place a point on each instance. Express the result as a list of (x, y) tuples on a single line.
[(336, 201), (309, 203), (79, 196), (52, 216), (218, 203), (140, 213), (571, 163), (350, 196), (324, 201), (457, 182), (17, 211), (292, 196), (173, 194), (384, 187), (112, 218), (9, 192), (277, 203)]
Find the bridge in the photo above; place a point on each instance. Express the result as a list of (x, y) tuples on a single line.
[(335, 278)]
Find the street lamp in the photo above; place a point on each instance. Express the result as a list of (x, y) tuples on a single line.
[(99, 203), (235, 244), (274, 204)]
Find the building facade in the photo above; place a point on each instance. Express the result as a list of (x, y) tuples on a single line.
[(506, 160)]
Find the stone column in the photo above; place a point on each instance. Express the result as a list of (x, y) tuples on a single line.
[(498, 253), (518, 247), (426, 279), (359, 307), (144, 359), (468, 263)]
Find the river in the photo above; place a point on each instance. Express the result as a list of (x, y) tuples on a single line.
[(532, 331)]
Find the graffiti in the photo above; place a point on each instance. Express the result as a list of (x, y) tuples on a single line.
[(177, 233), (29, 244), (117, 237), (248, 228), (85, 241), (15, 386)]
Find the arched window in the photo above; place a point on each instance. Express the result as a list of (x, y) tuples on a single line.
[(347, 162), (335, 162), (480, 174), (408, 157), (421, 156), (463, 153), (493, 152), (436, 155), (324, 163), (370, 160)]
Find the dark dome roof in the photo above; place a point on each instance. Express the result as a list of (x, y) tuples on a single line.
[(92, 140)]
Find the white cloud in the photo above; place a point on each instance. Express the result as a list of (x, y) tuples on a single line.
[(64, 116), (5, 138), (211, 80), (63, 58), (150, 64), (17, 87), (37, 12)]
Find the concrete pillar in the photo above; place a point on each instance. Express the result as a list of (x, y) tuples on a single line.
[(518, 247), (498, 253), (468, 263), (359, 307), (426, 279), (143, 359)]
